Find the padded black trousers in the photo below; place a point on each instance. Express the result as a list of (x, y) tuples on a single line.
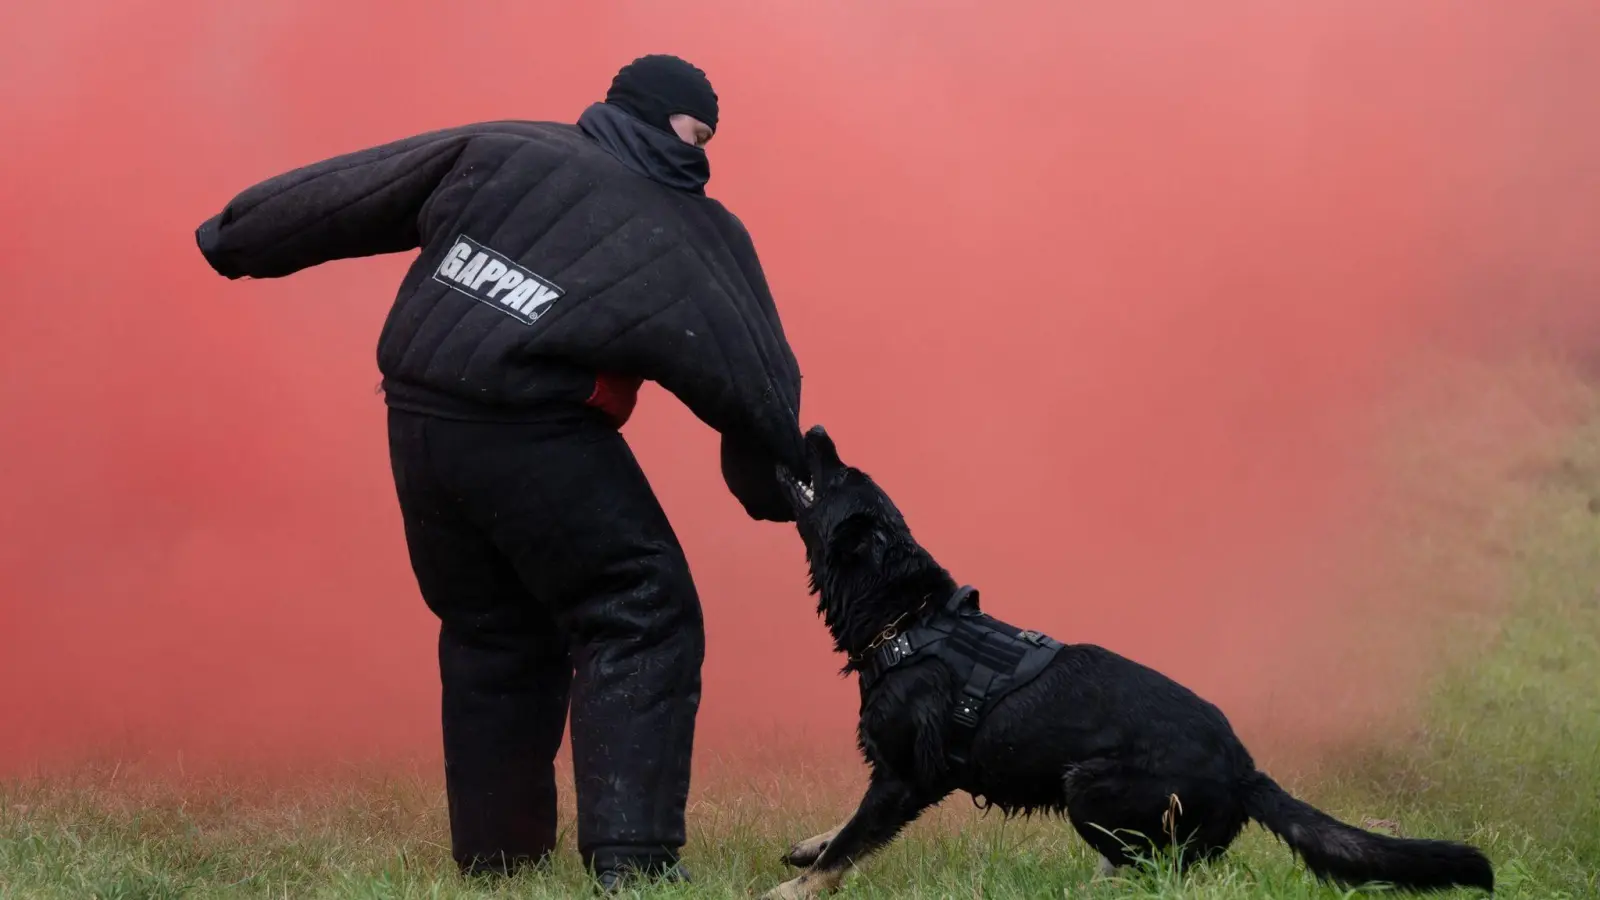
[(555, 575)]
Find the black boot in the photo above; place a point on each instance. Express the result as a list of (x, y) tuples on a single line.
[(619, 869), (501, 867)]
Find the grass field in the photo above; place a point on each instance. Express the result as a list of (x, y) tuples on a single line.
[(1509, 759)]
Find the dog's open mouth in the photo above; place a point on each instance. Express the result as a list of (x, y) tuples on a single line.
[(802, 491)]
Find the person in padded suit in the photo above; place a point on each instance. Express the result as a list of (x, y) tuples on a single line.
[(559, 267)]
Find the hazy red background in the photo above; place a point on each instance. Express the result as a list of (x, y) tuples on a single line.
[(1104, 293)]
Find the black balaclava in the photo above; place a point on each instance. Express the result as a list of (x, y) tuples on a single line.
[(634, 123), (656, 87)]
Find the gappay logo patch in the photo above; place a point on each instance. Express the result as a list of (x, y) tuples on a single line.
[(490, 278)]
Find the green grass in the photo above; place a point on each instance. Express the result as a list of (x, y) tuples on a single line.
[(1509, 759)]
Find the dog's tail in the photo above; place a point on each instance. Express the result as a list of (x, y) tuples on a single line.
[(1350, 856)]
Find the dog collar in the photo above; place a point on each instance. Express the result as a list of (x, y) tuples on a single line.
[(895, 645)]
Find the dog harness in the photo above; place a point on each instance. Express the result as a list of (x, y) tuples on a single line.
[(989, 658)]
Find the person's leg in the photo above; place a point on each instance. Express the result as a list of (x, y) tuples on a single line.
[(503, 665), (639, 643), (584, 530), (504, 709)]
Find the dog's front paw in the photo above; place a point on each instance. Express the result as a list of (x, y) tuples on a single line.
[(804, 853), (811, 883), (789, 890), (809, 850), (800, 856)]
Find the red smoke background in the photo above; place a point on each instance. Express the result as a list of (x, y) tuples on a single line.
[(1108, 296)]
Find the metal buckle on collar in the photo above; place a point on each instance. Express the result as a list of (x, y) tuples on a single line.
[(894, 651), (888, 655), (892, 631)]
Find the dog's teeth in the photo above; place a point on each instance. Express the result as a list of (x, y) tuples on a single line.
[(805, 491)]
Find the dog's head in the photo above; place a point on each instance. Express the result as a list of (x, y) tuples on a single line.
[(864, 562), (838, 508)]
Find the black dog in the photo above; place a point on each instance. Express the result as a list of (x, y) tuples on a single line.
[(1136, 761)]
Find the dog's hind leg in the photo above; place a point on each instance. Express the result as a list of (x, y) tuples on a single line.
[(888, 806), (806, 852), (1114, 808), (1128, 814)]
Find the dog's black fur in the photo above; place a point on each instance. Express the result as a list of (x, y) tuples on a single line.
[(1130, 756)]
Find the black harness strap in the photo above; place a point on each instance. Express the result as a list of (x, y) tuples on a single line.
[(991, 657), (968, 713)]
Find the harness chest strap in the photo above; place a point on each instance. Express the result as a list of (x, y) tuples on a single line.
[(990, 657)]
